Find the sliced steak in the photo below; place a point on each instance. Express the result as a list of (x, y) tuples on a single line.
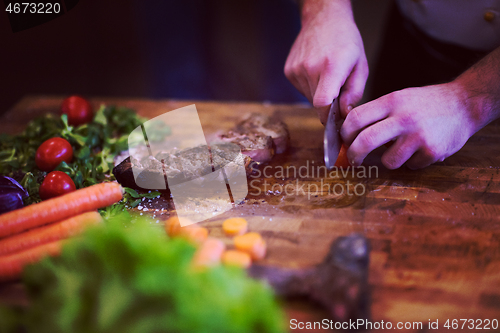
[(257, 137), (259, 148), (181, 166), (257, 123)]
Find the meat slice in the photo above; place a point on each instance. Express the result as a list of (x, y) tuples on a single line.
[(181, 166), (257, 136), (260, 124), (259, 148)]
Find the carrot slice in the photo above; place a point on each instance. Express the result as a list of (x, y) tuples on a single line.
[(48, 233), (252, 243), (209, 253), (172, 226), (12, 265), (59, 208), (342, 160), (236, 258), (195, 234), (235, 226)]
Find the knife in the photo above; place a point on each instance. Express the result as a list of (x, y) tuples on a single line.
[(332, 140)]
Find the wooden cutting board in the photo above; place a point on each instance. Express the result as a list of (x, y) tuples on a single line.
[(434, 233)]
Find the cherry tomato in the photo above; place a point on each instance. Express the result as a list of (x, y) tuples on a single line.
[(52, 152), (78, 109), (56, 183)]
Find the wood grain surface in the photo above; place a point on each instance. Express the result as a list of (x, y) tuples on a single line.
[(434, 233)]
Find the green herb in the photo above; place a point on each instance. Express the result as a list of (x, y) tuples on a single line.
[(131, 199), (135, 279), (95, 146)]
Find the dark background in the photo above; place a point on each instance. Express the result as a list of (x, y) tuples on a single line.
[(190, 49)]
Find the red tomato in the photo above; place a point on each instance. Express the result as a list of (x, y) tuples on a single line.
[(55, 184), (52, 152), (78, 109)]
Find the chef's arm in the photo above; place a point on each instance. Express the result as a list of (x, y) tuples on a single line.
[(426, 124), (481, 90), (328, 55)]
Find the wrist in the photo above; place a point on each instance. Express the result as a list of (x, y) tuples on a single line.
[(479, 90), (480, 106), (311, 9)]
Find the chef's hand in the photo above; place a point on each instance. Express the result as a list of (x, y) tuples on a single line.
[(328, 55), (428, 124)]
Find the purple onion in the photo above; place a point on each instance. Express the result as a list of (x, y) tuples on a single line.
[(11, 194)]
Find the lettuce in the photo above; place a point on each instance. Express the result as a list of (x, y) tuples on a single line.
[(129, 277)]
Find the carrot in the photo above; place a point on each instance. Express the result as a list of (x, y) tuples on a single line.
[(172, 226), (48, 233), (236, 258), (12, 265), (195, 234), (59, 208), (235, 226), (209, 253), (252, 243), (342, 160)]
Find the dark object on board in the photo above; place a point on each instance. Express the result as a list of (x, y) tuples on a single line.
[(339, 283)]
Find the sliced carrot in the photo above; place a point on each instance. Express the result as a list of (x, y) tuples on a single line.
[(252, 243), (194, 233), (12, 265), (342, 160), (59, 208), (235, 226), (236, 258), (172, 226), (209, 253), (48, 233)]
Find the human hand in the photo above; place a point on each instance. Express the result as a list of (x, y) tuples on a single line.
[(428, 124), (328, 55)]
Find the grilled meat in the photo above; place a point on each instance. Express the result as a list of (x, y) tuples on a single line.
[(257, 137), (257, 123), (258, 147), (181, 166)]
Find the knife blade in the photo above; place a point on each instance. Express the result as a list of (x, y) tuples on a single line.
[(332, 140)]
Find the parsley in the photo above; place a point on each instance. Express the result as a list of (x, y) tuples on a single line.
[(131, 199)]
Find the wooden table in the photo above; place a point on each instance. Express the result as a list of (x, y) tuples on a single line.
[(434, 233)]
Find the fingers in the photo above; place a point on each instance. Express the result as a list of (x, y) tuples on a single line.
[(351, 79), (371, 138), (361, 117), (323, 113), (326, 91), (353, 88), (328, 86), (300, 82), (422, 158), (399, 152)]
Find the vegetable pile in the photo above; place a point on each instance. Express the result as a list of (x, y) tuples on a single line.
[(136, 279), (94, 145)]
